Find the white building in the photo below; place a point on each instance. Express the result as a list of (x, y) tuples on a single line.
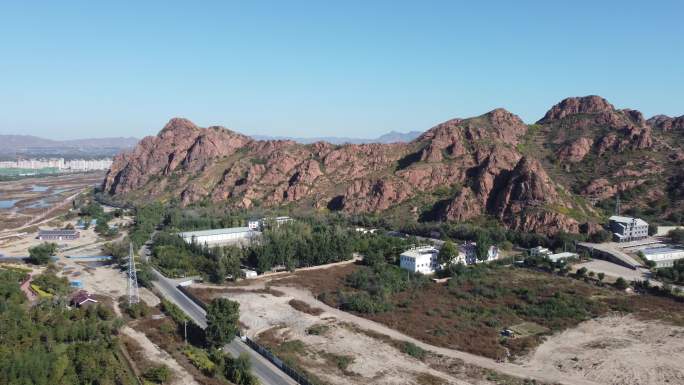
[(218, 236), (663, 256), (627, 229), (422, 259), (467, 254), (254, 224), (259, 224), (74, 165), (539, 251), (562, 256)]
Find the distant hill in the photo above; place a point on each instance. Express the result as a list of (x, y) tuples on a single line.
[(390, 137), (28, 145)]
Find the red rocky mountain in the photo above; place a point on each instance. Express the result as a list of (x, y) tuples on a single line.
[(462, 169)]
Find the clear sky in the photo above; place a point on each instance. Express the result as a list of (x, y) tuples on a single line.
[(311, 68)]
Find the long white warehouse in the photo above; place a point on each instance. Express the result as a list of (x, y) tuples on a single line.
[(217, 236), (663, 256)]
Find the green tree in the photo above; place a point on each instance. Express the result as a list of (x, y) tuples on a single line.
[(222, 321), (447, 253), (601, 276), (482, 248), (238, 370), (581, 272), (40, 254), (676, 235), (620, 284)]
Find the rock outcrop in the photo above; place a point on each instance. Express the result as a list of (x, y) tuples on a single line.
[(459, 170)]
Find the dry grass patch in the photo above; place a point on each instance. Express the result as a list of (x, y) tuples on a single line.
[(305, 307)]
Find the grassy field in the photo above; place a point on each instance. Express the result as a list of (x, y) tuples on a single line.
[(470, 311)]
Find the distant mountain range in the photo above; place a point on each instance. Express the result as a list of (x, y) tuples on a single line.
[(27, 145), (390, 137)]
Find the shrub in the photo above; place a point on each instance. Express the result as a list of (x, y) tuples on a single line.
[(414, 351), (318, 329), (200, 359), (620, 284), (159, 374)]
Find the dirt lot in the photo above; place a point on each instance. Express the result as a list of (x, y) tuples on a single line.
[(275, 319), (616, 350)]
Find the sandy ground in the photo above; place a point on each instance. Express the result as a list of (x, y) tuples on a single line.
[(153, 353), (617, 350), (375, 362), (611, 350)]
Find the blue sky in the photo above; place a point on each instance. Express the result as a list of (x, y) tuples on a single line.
[(347, 68)]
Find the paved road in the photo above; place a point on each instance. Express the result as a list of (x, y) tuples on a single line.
[(267, 373), (611, 250)]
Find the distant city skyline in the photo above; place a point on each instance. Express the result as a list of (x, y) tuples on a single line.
[(80, 69)]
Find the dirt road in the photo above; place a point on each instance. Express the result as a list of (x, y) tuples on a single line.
[(545, 374)]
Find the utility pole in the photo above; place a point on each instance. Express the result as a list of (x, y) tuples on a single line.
[(617, 205), (133, 296), (185, 329)]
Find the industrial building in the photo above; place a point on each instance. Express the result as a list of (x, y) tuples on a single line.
[(663, 256), (218, 236), (627, 229), (58, 235)]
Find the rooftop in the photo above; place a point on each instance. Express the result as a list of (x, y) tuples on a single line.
[(621, 219), (661, 250), (57, 231), (563, 255), (205, 233), (419, 251)]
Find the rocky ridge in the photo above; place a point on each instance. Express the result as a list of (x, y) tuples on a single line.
[(458, 170)]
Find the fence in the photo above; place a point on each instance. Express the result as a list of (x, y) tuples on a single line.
[(294, 374)]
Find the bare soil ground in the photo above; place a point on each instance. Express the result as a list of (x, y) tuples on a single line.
[(264, 313), (274, 322), (330, 346), (616, 350)]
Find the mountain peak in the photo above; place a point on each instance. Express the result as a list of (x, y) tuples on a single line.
[(591, 104), (179, 123)]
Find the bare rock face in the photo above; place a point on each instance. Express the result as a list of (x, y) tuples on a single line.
[(666, 123), (575, 151), (573, 106), (475, 160), (180, 144)]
